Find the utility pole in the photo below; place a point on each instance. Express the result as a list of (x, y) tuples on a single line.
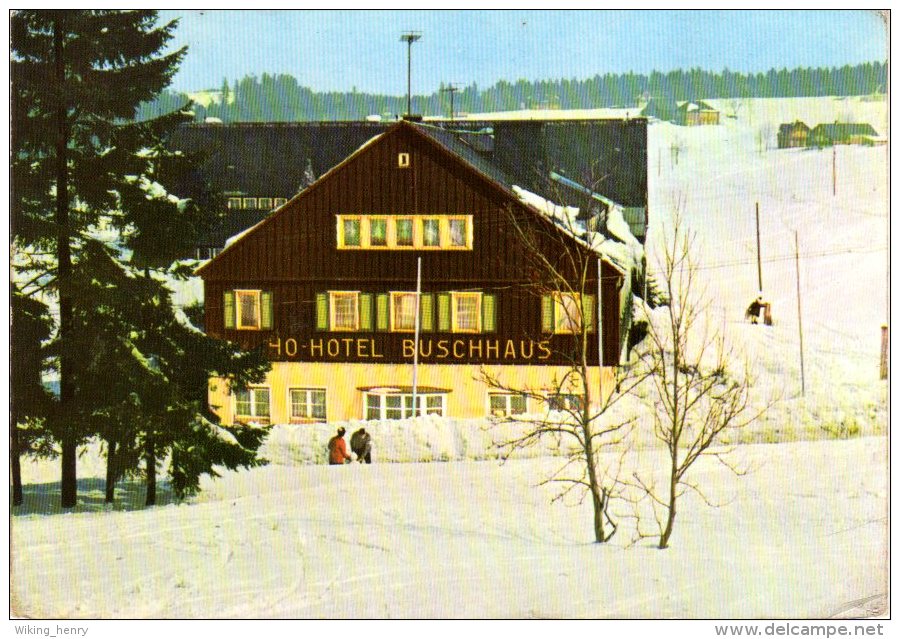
[(799, 315), (833, 169), (758, 253), (451, 89), (409, 37)]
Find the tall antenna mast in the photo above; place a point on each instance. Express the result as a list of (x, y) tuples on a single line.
[(409, 37)]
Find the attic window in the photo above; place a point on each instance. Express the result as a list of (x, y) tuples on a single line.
[(403, 160)]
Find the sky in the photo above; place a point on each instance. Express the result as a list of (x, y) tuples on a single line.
[(342, 49)]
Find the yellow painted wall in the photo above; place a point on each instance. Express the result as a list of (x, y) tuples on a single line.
[(468, 397)]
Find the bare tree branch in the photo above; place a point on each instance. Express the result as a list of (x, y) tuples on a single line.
[(697, 399)]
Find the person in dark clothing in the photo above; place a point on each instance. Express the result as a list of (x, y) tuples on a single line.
[(337, 449), (361, 444), (752, 313)]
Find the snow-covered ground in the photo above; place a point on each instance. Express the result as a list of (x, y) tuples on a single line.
[(842, 234), (804, 534)]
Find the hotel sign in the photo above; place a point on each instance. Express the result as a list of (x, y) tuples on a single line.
[(369, 349)]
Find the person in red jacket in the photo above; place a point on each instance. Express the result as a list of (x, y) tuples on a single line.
[(337, 449)]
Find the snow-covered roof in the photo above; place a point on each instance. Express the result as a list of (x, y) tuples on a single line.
[(624, 252)]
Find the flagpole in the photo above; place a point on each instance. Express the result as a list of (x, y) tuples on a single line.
[(415, 383), (600, 330)]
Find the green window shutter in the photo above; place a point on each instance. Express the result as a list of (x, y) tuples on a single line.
[(426, 312), (488, 313), (228, 305), (590, 310), (265, 310), (443, 300), (381, 311), (365, 311), (546, 314), (321, 311)]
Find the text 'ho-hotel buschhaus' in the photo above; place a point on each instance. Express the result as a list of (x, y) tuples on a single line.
[(326, 282)]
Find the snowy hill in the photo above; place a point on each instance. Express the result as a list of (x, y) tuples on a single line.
[(804, 534), (470, 539), (720, 175)]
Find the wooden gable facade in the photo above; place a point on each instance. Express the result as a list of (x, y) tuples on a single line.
[(300, 271)]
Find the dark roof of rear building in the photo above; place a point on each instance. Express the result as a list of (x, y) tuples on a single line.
[(269, 159)]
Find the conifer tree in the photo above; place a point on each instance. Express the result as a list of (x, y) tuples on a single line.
[(30, 327), (76, 77), (96, 230)]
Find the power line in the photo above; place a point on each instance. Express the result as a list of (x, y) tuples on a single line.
[(782, 258)]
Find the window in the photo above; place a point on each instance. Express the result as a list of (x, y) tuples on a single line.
[(458, 234), (373, 406), (403, 312), (506, 404), (378, 231), (344, 311), (234, 202), (393, 407), (566, 313), (561, 312), (252, 403), (280, 201), (440, 232), (207, 253), (466, 312), (249, 202), (248, 309), (405, 232), (565, 401), (265, 202), (307, 404), (403, 160), (351, 231), (397, 404), (431, 232), (470, 312)]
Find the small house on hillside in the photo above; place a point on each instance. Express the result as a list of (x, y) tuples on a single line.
[(793, 135), (697, 113), (843, 133), (685, 113), (661, 107)]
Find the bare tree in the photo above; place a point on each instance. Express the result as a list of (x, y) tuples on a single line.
[(764, 137), (735, 105), (697, 397), (577, 413), (675, 150)]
